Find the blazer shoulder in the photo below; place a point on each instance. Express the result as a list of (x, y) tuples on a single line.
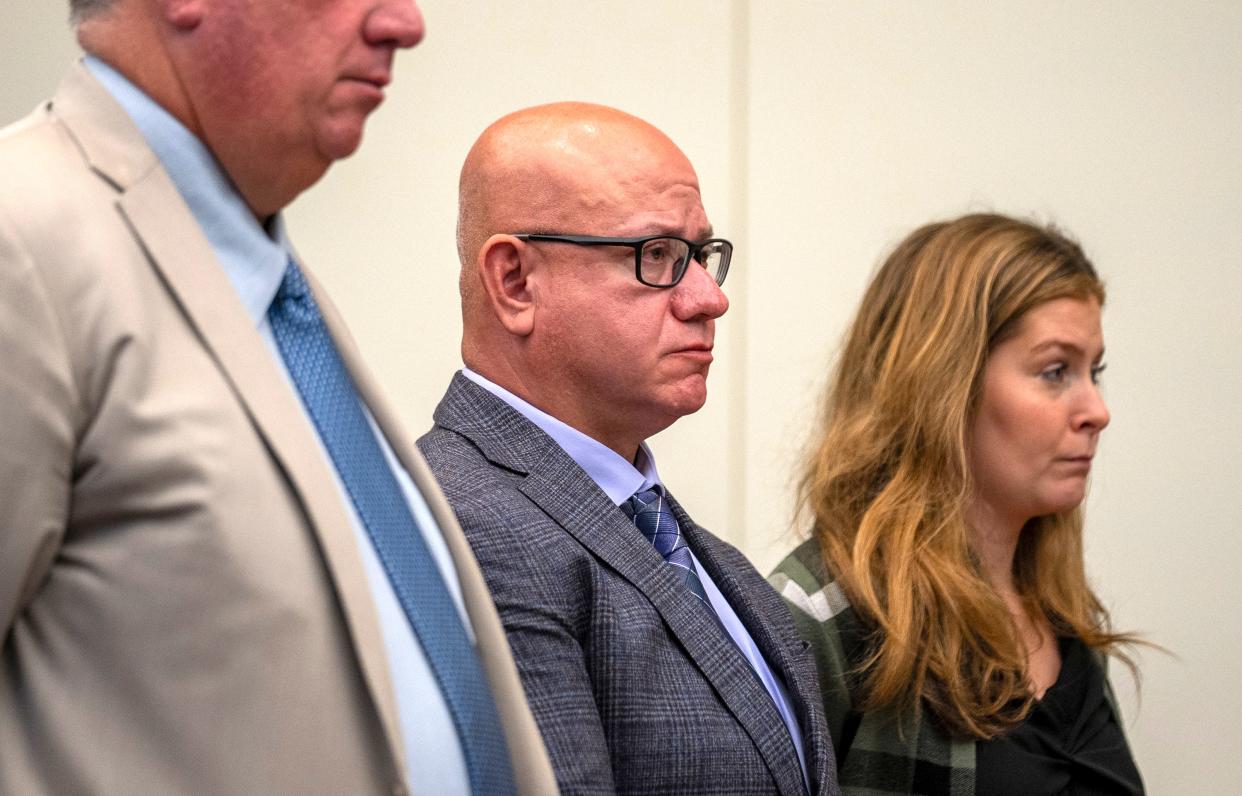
[(33, 133), (460, 466), (45, 177), (81, 135), (504, 526), (57, 205), (483, 495)]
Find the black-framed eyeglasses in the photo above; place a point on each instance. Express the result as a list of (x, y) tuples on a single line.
[(659, 260)]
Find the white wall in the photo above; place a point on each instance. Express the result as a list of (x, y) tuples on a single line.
[(823, 132)]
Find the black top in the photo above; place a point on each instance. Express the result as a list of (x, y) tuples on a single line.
[(1070, 743)]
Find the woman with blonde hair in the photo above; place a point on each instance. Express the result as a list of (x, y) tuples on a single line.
[(943, 590)]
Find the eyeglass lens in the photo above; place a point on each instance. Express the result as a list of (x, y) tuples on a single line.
[(662, 260)]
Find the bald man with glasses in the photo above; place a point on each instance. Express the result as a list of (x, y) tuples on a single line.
[(655, 658)]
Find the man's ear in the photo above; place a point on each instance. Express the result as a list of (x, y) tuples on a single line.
[(504, 266), (183, 15)]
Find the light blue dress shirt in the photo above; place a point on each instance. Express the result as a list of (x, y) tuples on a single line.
[(619, 480), (254, 260)]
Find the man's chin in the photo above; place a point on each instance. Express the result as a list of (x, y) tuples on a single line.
[(340, 140), (690, 398)]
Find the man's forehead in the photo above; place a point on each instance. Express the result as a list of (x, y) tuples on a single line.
[(584, 169), (607, 206), (678, 213)]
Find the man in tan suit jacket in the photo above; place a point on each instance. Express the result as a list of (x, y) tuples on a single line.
[(188, 601)]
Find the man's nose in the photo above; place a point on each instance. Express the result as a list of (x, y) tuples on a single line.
[(398, 23), (698, 296)]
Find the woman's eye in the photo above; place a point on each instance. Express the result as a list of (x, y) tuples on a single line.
[(1097, 371), (1055, 373)]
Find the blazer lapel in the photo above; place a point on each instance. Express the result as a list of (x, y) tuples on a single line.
[(556, 484), (531, 766), (782, 655), (183, 257), (163, 226)]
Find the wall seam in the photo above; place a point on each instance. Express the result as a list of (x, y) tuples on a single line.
[(737, 323)]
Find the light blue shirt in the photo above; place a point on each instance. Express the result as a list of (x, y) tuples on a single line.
[(619, 480), (254, 260)]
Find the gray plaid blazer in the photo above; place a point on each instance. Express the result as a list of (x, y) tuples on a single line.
[(633, 685)]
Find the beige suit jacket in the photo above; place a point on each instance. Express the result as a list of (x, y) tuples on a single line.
[(183, 606)]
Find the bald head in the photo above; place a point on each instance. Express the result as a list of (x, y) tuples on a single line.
[(569, 167)]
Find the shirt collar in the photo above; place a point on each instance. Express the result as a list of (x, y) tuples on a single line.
[(253, 258), (617, 478)]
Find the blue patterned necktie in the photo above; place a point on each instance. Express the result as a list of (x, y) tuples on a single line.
[(650, 512), (334, 406)]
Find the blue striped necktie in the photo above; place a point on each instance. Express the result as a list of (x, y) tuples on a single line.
[(650, 512), (334, 406)]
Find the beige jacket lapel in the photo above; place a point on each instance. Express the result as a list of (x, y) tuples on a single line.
[(531, 766), (178, 250)]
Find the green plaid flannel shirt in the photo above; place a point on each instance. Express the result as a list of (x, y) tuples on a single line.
[(877, 752)]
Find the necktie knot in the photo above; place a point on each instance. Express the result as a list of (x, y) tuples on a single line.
[(293, 289), (640, 500), (649, 511), (652, 514)]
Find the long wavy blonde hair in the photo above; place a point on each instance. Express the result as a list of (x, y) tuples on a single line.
[(887, 482)]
